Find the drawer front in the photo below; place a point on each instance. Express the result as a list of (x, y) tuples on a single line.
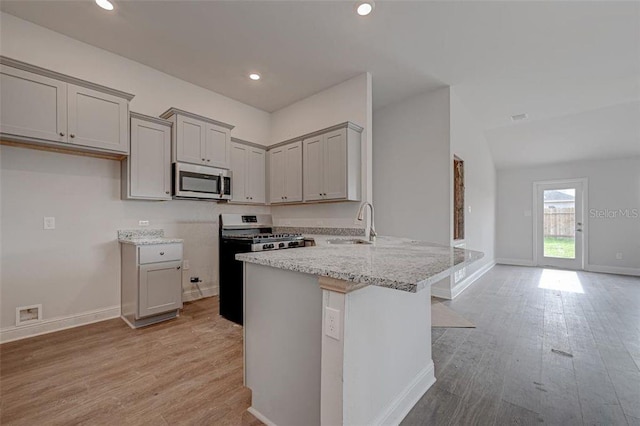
[(160, 253)]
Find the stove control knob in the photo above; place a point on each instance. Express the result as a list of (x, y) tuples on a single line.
[(281, 245)]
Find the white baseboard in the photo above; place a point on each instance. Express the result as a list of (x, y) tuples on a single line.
[(613, 270), (515, 262), (398, 409), (258, 415), (441, 293), (448, 292), (10, 334), (195, 294), (464, 284)]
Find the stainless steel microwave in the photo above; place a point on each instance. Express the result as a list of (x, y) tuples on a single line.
[(201, 182)]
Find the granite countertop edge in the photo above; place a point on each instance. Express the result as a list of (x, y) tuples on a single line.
[(359, 279), (150, 241)]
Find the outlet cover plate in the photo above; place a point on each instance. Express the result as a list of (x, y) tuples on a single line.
[(332, 323), (49, 223)]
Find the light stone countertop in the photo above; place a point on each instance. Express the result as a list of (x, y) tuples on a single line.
[(144, 237), (397, 263)]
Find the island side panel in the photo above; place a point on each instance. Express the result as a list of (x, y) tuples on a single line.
[(387, 354), (332, 383), (283, 331)]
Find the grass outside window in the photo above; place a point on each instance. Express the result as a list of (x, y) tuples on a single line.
[(562, 247)]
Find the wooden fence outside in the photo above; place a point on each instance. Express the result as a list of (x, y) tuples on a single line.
[(560, 222)]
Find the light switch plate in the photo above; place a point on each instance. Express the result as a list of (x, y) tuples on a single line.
[(143, 223), (49, 223)]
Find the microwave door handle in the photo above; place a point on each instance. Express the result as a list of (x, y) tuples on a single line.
[(221, 184)]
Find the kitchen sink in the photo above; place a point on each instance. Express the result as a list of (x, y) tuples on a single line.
[(348, 241)]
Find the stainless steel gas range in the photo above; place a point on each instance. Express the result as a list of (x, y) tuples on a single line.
[(242, 234)]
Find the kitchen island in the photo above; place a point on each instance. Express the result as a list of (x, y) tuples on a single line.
[(340, 333)]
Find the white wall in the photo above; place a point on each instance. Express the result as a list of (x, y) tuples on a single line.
[(75, 269), (347, 101), (613, 185), (155, 91), (469, 144), (411, 188)]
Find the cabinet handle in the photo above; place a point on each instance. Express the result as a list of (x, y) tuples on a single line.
[(161, 253), (178, 267), (72, 135), (167, 192), (203, 159), (61, 133), (320, 194), (208, 159)]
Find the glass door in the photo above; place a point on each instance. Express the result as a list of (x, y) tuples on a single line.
[(559, 220)]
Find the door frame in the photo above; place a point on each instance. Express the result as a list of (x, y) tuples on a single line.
[(584, 261)]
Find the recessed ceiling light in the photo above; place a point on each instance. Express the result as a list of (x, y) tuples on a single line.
[(364, 8), (519, 117), (105, 4), (254, 76)]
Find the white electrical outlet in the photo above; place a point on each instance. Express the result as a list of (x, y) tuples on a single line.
[(143, 223), (332, 323), (49, 223), (619, 256), (185, 265)]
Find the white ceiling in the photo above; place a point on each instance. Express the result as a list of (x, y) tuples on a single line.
[(573, 62)]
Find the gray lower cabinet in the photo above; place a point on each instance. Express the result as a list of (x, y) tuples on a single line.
[(151, 287), (42, 107), (158, 290), (146, 173)]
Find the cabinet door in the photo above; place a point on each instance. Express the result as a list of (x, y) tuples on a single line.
[(217, 146), (160, 288), (190, 143), (293, 172), (32, 106), (97, 120), (256, 176), (150, 160), (335, 165), (313, 168), (276, 175), (239, 170)]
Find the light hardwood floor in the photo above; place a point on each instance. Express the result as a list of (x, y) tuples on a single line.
[(189, 371), (186, 371), (504, 372)]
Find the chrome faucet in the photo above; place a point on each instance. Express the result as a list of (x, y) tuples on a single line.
[(370, 232)]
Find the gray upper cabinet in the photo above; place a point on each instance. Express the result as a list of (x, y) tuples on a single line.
[(323, 166), (32, 105), (192, 135), (199, 140), (42, 107), (332, 164), (98, 120), (285, 173), (146, 173), (249, 179)]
